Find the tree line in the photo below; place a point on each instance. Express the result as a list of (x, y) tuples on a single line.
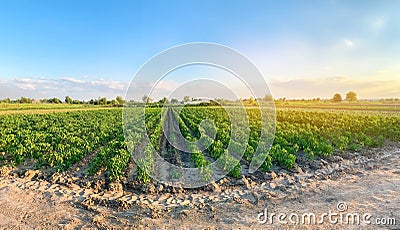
[(118, 101), (350, 96), (68, 100)]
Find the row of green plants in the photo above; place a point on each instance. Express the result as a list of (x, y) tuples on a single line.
[(56, 139), (59, 140), (218, 149), (144, 134), (310, 132), (197, 155)]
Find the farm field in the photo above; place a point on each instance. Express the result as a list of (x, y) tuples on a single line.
[(80, 156), (59, 140), (6, 108), (199, 115)]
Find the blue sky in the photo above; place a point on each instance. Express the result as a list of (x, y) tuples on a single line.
[(304, 49)]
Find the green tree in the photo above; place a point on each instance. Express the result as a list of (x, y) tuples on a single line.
[(186, 98), (174, 101), (164, 100), (337, 98), (103, 101), (68, 100), (120, 100), (113, 102), (55, 100), (146, 99), (24, 100), (7, 100), (351, 96)]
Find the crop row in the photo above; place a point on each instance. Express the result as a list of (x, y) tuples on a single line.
[(59, 140)]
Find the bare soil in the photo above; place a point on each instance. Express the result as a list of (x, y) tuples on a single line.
[(365, 182)]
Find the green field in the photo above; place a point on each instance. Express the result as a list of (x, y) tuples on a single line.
[(60, 139), (6, 108)]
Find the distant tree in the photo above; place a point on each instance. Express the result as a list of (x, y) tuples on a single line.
[(7, 100), (24, 100), (113, 102), (163, 100), (146, 99), (337, 98), (76, 102), (186, 98), (54, 100), (68, 100), (103, 101), (351, 96), (120, 100), (268, 97), (174, 101)]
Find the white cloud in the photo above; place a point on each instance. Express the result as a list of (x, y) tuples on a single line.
[(73, 80), (24, 80), (372, 87), (378, 23), (45, 88), (115, 85), (348, 43), (31, 80), (166, 85), (25, 86)]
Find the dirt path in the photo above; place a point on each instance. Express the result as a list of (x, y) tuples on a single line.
[(27, 209), (367, 183)]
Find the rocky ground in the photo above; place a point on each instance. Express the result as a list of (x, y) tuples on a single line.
[(366, 182)]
